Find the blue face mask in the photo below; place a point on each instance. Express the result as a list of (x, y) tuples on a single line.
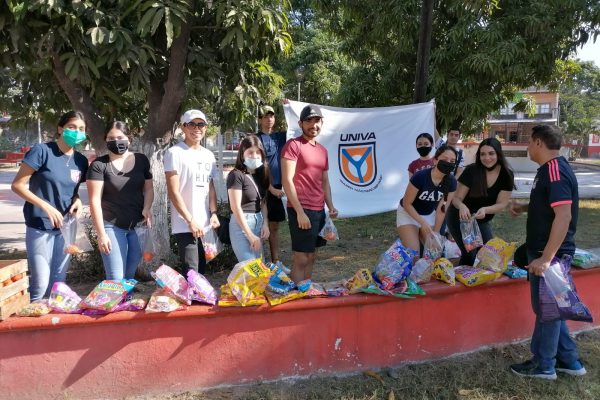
[(253, 163), (73, 137)]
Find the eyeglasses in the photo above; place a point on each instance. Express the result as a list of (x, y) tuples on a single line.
[(196, 125)]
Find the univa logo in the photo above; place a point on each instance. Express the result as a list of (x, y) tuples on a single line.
[(357, 158)]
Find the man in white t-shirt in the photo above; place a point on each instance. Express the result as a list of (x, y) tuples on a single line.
[(190, 170)]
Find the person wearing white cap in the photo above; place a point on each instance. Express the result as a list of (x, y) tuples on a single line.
[(191, 169)]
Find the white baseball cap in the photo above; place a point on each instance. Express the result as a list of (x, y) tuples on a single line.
[(191, 115)]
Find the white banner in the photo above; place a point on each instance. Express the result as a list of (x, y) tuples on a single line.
[(369, 152)]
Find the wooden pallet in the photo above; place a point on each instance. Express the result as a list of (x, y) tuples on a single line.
[(13, 287)]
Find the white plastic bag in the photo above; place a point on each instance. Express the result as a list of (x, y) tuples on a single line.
[(76, 241)]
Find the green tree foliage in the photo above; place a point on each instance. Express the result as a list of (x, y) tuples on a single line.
[(580, 102)]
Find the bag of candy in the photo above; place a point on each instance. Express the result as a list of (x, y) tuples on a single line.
[(515, 272), (211, 243), (585, 259), (362, 278), (35, 309), (166, 276), (505, 249), (280, 298), (135, 302), (335, 289), (471, 235), (280, 282), (422, 270), (248, 278), (443, 270), (63, 299), (329, 231), (471, 276), (201, 289), (162, 300), (146, 239), (488, 258), (108, 294), (451, 249), (316, 290), (76, 241), (394, 265), (434, 246), (228, 299)]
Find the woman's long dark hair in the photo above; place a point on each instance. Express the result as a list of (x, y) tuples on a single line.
[(120, 125), (246, 143), (446, 180), (479, 188)]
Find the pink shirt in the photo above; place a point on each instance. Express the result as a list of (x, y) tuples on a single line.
[(311, 162), (419, 165)]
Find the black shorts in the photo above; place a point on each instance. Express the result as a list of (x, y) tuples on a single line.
[(275, 209), (306, 240)]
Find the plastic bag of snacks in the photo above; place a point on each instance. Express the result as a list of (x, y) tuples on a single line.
[(362, 278), (505, 249), (434, 246), (63, 299), (76, 241), (558, 295), (211, 243), (329, 231), (248, 278), (335, 289), (488, 258), (451, 249), (146, 240), (280, 282), (316, 290), (394, 265), (471, 276), (585, 259), (228, 299), (135, 302), (443, 270), (471, 235), (280, 298), (162, 300), (166, 276), (108, 294), (422, 270), (200, 288), (35, 309), (515, 272), (406, 289)]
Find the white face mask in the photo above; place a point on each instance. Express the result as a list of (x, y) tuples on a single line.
[(253, 163)]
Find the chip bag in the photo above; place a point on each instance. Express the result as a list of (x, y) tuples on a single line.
[(162, 300), (471, 235), (249, 279), (35, 309), (108, 294), (362, 278), (394, 265), (422, 270), (434, 246), (200, 288), (585, 259), (146, 240), (280, 298), (228, 299), (488, 258), (329, 231), (443, 270), (166, 276), (76, 241), (335, 289), (211, 243), (471, 276), (64, 300), (316, 290), (280, 283)]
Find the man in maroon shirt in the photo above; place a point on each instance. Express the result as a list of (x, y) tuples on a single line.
[(305, 181)]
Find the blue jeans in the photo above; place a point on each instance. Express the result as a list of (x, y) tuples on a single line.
[(550, 340), (239, 240), (46, 260), (125, 253)]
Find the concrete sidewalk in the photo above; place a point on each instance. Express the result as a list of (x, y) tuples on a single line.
[(12, 227)]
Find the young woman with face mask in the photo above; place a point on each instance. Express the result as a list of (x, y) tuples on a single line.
[(424, 145), (121, 195), (246, 187), (48, 180), (484, 189), (422, 209)]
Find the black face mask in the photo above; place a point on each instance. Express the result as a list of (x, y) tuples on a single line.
[(445, 167), (117, 146), (423, 151)]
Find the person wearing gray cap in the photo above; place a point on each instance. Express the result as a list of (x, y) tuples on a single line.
[(191, 170), (304, 166)]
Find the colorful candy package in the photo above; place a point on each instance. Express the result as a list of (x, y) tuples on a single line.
[(422, 270), (316, 290), (162, 300), (35, 309), (64, 300), (335, 289), (167, 277), (280, 298), (471, 276), (471, 235), (514, 272), (443, 270), (585, 259), (228, 299), (488, 258), (249, 279), (329, 231), (108, 294), (362, 278), (211, 243), (280, 282), (434, 246), (136, 302), (146, 240), (394, 265), (200, 288), (76, 241)]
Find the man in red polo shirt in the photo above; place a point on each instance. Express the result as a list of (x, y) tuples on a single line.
[(305, 181)]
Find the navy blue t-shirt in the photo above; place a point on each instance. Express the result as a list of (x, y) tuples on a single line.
[(429, 194), (273, 144), (56, 180), (554, 184)]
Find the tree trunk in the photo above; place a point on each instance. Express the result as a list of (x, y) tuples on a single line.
[(423, 51)]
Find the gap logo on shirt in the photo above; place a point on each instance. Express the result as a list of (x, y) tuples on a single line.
[(431, 196)]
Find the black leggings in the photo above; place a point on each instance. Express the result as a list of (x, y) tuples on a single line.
[(453, 221)]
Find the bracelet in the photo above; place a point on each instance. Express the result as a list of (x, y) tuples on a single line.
[(213, 213)]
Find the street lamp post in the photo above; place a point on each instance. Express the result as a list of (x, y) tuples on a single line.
[(299, 77)]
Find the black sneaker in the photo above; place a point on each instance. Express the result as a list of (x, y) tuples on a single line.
[(575, 369), (530, 369)]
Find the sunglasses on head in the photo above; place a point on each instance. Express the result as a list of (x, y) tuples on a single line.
[(196, 125)]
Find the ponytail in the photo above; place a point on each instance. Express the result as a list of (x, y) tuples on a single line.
[(445, 189)]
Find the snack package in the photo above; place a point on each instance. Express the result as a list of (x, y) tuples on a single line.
[(166, 276), (316, 290), (585, 259), (422, 270), (505, 249), (63, 299), (136, 302), (406, 289), (451, 249), (108, 294), (335, 289), (162, 300), (488, 258), (280, 298), (394, 265), (304, 285), (471, 276), (329, 231), (146, 240), (362, 278), (211, 243), (280, 282), (76, 241), (228, 299), (35, 309), (200, 288), (443, 270), (471, 235), (558, 295), (515, 272), (434, 246), (249, 279)]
